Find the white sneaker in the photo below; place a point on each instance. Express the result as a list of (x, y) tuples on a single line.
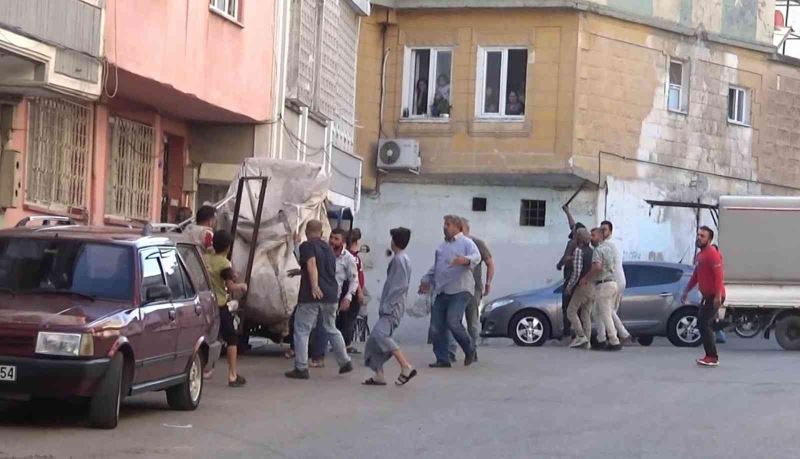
[(579, 341)]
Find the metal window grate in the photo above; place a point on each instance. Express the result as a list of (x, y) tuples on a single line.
[(532, 213), (130, 170), (347, 44), (59, 149)]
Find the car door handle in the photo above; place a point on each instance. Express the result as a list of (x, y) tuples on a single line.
[(198, 309), (665, 294), (173, 314)]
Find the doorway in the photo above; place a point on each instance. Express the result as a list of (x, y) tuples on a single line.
[(172, 177)]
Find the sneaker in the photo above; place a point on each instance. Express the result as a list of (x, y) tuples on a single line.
[(346, 368), (601, 346), (297, 374), (440, 365), (469, 359), (579, 342), (708, 361), (614, 347)]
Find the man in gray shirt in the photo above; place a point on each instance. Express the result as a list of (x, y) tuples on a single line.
[(380, 346), (452, 282), (481, 289), (605, 286)]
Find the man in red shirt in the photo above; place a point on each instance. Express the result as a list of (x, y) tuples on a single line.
[(710, 277)]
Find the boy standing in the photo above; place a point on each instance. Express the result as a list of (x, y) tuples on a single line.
[(223, 281), (380, 345)]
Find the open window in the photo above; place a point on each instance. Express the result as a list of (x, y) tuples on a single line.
[(678, 86), (501, 82), (427, 74)]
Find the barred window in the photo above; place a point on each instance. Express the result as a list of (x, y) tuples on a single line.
[(130, 170), (532, 213), (59, 149)]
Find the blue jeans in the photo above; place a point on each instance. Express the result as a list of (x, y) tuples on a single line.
[(446, 316), (305, 320)]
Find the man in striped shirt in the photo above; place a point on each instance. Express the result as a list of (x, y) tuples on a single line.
[(579, 310)]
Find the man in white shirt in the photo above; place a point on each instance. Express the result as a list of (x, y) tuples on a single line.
[(619, 276)]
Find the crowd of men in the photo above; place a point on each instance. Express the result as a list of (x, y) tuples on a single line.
[(594, 284)]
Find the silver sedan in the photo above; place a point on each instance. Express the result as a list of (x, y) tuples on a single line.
[(650, 307)]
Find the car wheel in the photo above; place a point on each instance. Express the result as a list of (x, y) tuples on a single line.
[(104, 405), (644, 340), (529, 328), (787, 332), (186, 396), (682, 329)]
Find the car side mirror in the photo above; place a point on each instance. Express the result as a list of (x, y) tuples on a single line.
[(157, 293), (364, 249)]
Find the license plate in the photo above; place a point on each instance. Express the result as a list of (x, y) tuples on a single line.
[(8, 373)]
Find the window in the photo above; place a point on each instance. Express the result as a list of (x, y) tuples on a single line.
[(532, 213), (194, 265), (130, 170), (738, 105), (678, 87), (479, 204), (646, 276), (169, 261), (152, 275), (428, 72), (60, 144), (228, 8), (502, 76), (62, 266)]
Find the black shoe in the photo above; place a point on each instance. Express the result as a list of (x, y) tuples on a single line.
[(614, 347), (470, 358), (346, 368), (453, 357), (440, 365), (297, 374), (601, 346)]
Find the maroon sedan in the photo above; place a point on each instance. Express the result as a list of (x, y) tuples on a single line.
[(100, 313)]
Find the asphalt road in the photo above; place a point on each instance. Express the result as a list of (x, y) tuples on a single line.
[(516, 402)]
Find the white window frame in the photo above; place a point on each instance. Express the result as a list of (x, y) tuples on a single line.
[(409, 84), (221, 7), (480, 83), (683, 88), (745, 115)]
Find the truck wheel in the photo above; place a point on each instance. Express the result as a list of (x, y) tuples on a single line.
[(682, 329), (186, 396), (104, 406), (787, 332)]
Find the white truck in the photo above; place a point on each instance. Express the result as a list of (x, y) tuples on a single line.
[(762, 269)]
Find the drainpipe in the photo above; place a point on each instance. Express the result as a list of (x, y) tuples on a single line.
[(303, 134), (282, 32)]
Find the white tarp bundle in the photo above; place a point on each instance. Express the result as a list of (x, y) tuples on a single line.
[(295, 194)]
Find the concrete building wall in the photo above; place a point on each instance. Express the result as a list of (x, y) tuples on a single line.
[(526, 256), (465, 144), (186, 46)]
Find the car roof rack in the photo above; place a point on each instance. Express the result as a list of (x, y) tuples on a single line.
[(47, 220), (151, 228)]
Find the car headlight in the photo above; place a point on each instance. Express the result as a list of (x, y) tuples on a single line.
[(68, 344), (497, 304)]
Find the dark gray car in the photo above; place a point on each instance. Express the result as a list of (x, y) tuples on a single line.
[(650, 307)]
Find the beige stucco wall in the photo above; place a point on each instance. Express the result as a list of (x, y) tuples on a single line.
[(463, 144)]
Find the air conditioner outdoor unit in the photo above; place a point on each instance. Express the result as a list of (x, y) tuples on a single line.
[(399, 154)]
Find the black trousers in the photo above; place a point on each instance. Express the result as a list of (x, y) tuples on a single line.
[(346, 321), (565, 299), (705, 319)]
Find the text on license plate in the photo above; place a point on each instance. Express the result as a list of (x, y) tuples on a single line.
[(8, 373)]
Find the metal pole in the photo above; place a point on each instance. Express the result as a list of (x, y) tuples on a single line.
[(236, 209), (256, 228)]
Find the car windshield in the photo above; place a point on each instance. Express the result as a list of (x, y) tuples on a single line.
[(68, 267)]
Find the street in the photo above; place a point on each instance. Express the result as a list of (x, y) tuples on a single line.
[(516, 402)]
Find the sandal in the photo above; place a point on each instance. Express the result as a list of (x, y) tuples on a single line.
[(238, 382), (403, 379), (373, 382)]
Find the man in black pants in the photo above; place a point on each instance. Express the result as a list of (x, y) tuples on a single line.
[(566, 264), (709, 276)]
